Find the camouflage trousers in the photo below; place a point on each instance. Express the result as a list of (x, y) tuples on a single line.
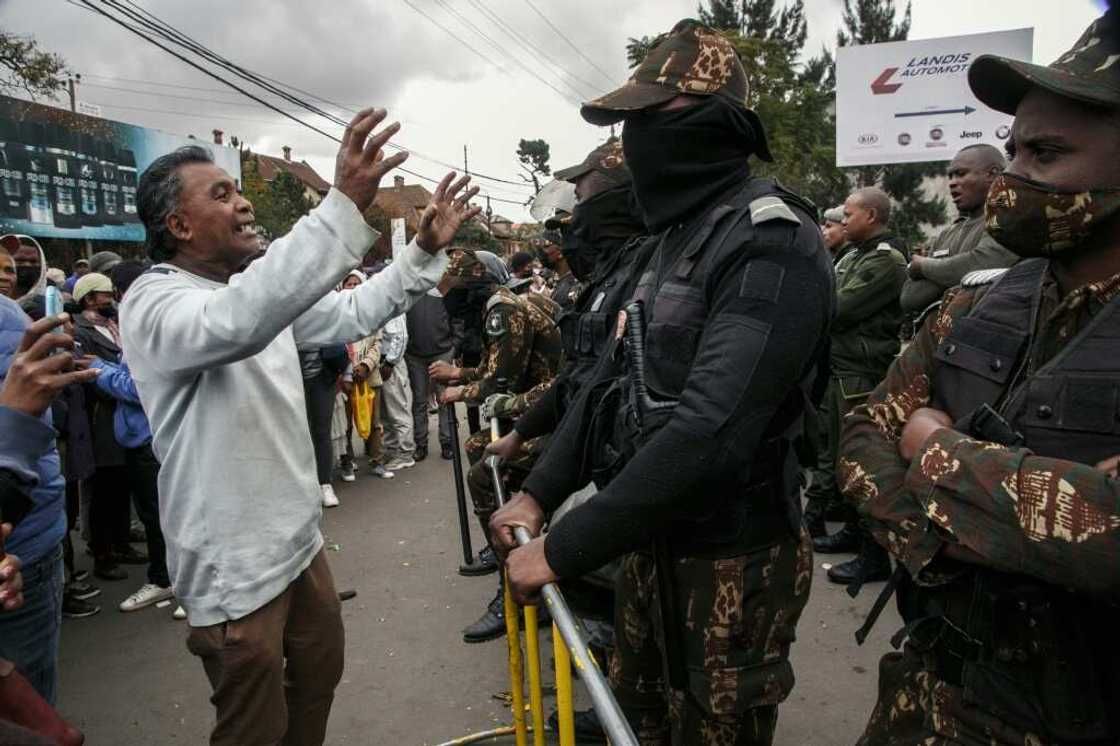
[(740, 618), (514, 471), (915, 708)]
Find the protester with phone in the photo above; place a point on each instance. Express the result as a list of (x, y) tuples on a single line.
[(31, 492)]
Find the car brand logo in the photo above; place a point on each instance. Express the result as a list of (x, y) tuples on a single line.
[(868, 138)]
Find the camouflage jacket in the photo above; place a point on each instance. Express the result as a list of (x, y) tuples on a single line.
[(869, 277), (1015, 511), (522, 347)]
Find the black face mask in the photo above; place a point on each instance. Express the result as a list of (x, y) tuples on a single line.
[(107, 312), (600, 226), (683, 159), (26, 277), (467, 302)]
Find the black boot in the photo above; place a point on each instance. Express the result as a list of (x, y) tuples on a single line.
[(844, 540), (871, 565), (491, 625), (587, 725)]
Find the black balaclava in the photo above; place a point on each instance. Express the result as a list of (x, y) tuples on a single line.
[(599, 226), (684, 158)]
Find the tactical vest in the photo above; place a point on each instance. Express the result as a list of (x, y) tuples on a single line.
[(1041, 657), (764, 503)]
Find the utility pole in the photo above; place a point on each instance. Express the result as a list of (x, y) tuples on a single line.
[(71, 86), (466, 166)]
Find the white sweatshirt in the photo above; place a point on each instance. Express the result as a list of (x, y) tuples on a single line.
[(218, 374)]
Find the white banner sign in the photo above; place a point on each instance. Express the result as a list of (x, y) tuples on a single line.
[(909, 101), (398, 237)]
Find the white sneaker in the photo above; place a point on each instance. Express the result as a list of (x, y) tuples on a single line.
[(379, 470), (330, 500), (149, 594), (400, 462), (180, 613), (347, 473)]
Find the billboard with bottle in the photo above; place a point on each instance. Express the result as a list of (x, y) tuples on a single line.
[(67, 175)]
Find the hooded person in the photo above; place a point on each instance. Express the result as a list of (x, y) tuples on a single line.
[(693, 452), (31, 272), (1008, 522)]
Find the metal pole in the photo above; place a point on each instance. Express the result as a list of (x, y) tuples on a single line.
[(533, 654), (606, 706), (471, 566), (565, 709)]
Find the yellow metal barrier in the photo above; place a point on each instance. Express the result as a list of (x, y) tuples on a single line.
[(568, 645)]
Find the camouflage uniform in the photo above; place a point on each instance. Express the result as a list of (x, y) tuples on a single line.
[(523, 348), (1037, 518), (741, 616), (869, 277)]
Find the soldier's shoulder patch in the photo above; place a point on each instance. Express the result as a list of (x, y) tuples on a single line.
[(982, 277), (496, 322), (765, 209), (891, 251)]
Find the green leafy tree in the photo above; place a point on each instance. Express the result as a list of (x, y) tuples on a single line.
[(473, 235), (276, 205), (533, 157), (26, 68)]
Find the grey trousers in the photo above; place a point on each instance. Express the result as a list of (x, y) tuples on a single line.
[(422, 390), (396, 415)]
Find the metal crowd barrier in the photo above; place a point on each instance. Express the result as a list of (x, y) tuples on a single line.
[(569, 645)]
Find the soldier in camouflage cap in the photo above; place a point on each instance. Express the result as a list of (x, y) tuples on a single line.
[(603, 168), (692, 59), (1006, 521)]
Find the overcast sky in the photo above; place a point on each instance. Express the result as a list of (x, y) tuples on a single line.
[(386, 53)]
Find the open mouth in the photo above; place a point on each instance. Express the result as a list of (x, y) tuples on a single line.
[(245, 229)]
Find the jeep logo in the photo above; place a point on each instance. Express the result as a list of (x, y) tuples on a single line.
[(868, 139), (971, 135)]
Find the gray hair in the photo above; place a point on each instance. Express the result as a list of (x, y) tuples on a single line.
[(157, 196)]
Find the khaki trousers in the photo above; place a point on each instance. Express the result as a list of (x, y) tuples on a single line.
[(273, 672)]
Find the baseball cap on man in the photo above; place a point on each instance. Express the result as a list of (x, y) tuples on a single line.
[(476, 265), (834, 215), (692, 59), (94, 282), (1089, 72), (606, 160)]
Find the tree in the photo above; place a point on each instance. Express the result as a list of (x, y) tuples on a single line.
[(533, 156), (276, 205), (25, 67)]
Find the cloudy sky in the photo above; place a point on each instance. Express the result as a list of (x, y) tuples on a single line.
[(522, 55)]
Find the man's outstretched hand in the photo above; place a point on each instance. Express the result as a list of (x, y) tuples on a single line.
[(445, 213), (361, 164)]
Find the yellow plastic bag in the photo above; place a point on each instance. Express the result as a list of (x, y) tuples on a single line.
[(362, 400)]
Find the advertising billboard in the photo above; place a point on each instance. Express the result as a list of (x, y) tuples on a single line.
[(909, 101), (66, 175)]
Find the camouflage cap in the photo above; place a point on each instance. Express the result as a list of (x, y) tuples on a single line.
[(1090, 72), (692, 59), (606, 160), (476, 265)]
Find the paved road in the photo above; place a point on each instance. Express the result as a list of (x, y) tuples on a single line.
[(128, 680)]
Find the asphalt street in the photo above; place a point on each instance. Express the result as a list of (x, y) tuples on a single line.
[(128, 680)]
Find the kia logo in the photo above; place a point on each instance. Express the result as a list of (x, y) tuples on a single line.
[(868, 139)]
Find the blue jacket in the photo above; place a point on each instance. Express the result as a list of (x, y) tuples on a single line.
[(130, 424), (27, 447)]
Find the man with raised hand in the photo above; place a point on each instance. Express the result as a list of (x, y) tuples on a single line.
[(213, 354)]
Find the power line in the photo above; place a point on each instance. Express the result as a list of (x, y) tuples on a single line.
[(453, 35), (194, 46), (176, 36), (563, 36), (534, 49)]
